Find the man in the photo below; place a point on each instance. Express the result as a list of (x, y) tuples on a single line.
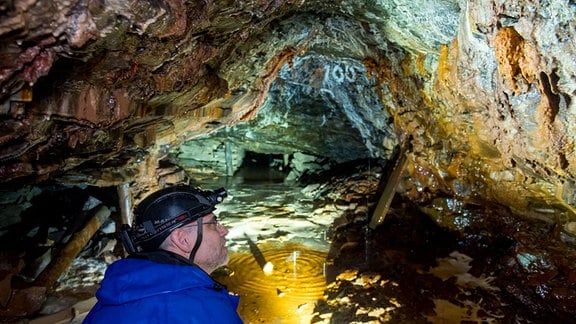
[(174, 245)]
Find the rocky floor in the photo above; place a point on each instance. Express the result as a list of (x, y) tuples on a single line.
[(408, 270)]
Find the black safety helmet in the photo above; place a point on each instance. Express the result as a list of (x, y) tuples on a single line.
[(166, 209)]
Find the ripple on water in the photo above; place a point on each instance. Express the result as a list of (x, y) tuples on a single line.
[(285, 295)]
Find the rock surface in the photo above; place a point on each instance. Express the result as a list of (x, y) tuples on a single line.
[(99, 92)]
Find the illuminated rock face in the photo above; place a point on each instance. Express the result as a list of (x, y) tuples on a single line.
[(98, 93)]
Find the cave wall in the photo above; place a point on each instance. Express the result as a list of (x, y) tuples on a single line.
[(98, 92), (501, 104)]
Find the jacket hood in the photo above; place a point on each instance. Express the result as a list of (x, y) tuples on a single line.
[(131, 279)]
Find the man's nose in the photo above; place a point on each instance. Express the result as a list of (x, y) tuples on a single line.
[(223, 230)]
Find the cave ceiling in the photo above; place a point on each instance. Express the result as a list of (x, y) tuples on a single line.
[(90, 94), (99, 92)]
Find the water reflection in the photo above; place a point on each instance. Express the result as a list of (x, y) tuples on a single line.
[(278, 247), (287, 293)]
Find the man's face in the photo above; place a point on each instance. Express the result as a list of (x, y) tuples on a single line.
[(212, 253)]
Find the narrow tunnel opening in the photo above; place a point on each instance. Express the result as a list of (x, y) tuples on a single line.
[(261, 167)]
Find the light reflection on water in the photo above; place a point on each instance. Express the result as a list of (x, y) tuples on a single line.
[(289, 231), (285, 295)]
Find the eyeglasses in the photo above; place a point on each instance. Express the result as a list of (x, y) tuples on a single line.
[(214, 222)]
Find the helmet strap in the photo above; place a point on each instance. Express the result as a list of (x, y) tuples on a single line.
[(198, 241)]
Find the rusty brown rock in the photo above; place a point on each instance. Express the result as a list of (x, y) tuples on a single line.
[(24, 302)]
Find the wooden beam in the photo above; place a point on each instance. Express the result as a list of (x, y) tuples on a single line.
[(51, 274), (125, 200), (390, 190)]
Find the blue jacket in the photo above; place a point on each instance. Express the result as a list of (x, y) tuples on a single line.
[(143, 291)]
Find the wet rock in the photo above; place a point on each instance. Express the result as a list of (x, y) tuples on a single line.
[(24, 302), (568, 234), (475, 274), (10, 266)]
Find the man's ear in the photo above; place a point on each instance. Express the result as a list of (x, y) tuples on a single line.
[(182, 240)]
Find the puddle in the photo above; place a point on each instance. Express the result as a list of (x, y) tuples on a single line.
[(285, 291)]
